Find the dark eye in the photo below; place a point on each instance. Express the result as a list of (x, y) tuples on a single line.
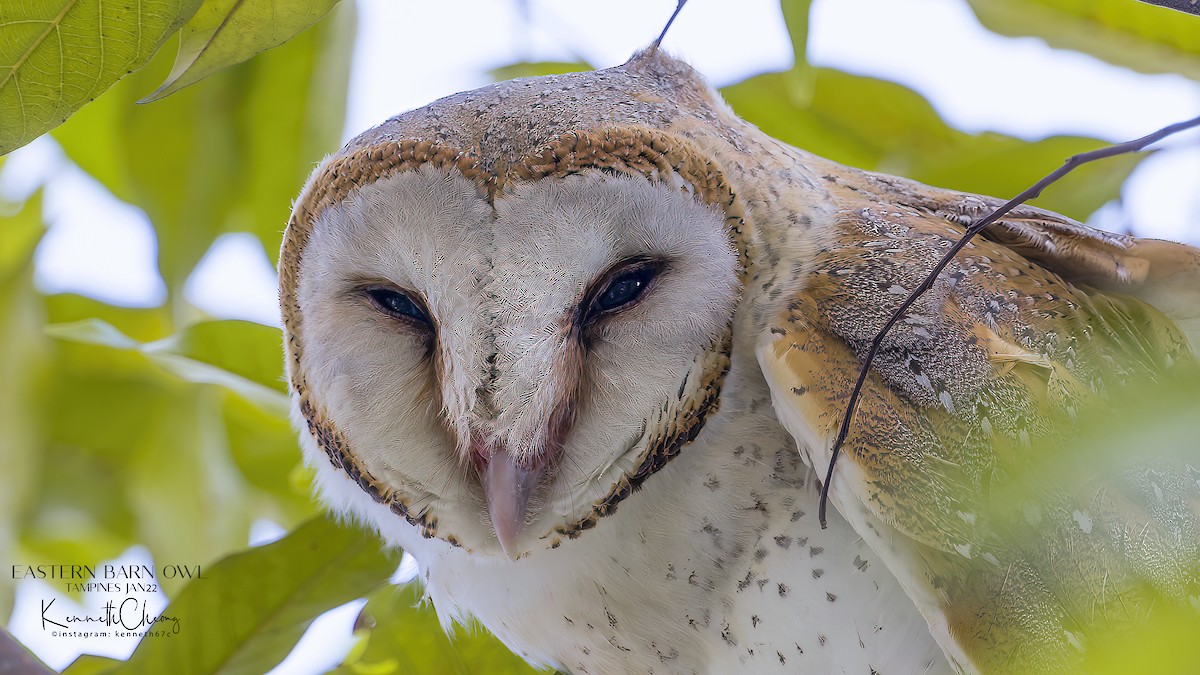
[(397, 304), (624, 289)]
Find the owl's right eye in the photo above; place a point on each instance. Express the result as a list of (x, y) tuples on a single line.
[(397, 304)]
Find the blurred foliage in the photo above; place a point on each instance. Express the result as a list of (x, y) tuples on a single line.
[(165, 428), (401, 636), (223, 33), (1139, 36), (252, 607), (845, 121), (227, 156), (1104, 518)]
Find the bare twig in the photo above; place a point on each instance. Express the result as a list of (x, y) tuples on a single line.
[(975, 228), (678, 8), (1186, 6)]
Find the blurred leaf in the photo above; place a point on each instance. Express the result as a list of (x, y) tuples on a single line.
[(245, 348), (56, 56), (135, 450), (227, 155), (263, 446), (282, 145), (1135, 35), (1164, 643), (1002, 166), (92, 332), (1106, 519), (846, 123), (181, 479), (223, 33), (801, 77), (537, 69), (81, 513), (22, 231), (90, 664), (140, 323), (405, 637), (22, 360), (252, 607), (162, 353)]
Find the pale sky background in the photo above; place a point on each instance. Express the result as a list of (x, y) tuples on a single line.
[(409, 53)]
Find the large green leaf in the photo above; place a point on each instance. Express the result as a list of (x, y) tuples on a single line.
[(403, 636), (1132, 34), (226, 155), (57, 55), (883, 126), (252, 607), (223, 33)]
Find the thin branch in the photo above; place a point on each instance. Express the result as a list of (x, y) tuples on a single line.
[(678, 8), (975, 228), (1185, 6)]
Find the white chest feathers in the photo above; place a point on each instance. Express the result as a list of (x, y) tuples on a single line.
[(721, 567)]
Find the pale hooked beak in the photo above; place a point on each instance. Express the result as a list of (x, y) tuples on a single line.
[(508, 487)]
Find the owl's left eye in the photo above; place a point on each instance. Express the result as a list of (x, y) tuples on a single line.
[(624, 288), (397, 304)]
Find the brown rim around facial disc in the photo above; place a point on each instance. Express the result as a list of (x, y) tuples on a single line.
[(654, 155)]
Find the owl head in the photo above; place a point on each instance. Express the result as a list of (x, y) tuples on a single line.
[(506, 310)]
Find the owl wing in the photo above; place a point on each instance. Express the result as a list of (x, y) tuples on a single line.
[(954, 467)]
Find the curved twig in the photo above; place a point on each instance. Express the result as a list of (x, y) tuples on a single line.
[(975, 228)]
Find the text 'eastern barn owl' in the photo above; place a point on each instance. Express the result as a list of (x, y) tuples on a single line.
[(578, 342)]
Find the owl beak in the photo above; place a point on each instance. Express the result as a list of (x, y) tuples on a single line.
[(508, 486)]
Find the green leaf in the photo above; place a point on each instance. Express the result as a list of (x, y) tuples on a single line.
[(22, 231), (81, 514), (405, 637), (181, 479), (1145, 38), (1164, 642), (281, 144), (90, 664), (263, 447), (166, 354), (846, 122), (223, 33), (250, 350), (252, 607), (22, 362), (138, 444), (801, 77), (57, 55), (140, 323)]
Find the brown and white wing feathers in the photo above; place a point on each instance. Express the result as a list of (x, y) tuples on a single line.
[(971, 389)]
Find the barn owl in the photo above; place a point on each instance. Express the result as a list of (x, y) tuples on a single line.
[(578, 344)]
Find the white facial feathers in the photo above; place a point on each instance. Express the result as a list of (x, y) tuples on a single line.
[(503, 284)]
